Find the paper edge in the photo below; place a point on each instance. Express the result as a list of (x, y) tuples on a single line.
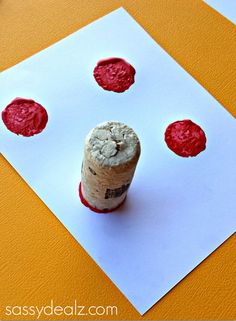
[(218, 12), (204, 259)]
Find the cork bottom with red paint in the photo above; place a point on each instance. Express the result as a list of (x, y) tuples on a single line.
[(94, 209)]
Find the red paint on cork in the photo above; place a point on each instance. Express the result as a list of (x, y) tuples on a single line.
[(25, 117), (114, 74), (94, 209), (185, 138)]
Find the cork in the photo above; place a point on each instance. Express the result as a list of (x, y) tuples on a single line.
[(111, 153)]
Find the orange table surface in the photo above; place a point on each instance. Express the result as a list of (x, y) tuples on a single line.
[(39, 259)]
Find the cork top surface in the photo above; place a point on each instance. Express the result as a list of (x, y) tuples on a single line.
[(112, 144)]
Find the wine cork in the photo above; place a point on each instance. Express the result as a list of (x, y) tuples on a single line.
[(111, 153)]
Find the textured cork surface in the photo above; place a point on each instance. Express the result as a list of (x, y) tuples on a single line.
[(112, 144), (39, 259), (111, 153)]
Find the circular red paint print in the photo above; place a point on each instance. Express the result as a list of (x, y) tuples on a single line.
[(25, 117), (185, 138), (114, 74)]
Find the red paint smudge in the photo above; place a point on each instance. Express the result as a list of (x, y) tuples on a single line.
[(25, 117), (114, 74), (94, 209), (185, 138)]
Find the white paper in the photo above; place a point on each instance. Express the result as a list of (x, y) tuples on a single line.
[(226, 7), (178, 210)]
